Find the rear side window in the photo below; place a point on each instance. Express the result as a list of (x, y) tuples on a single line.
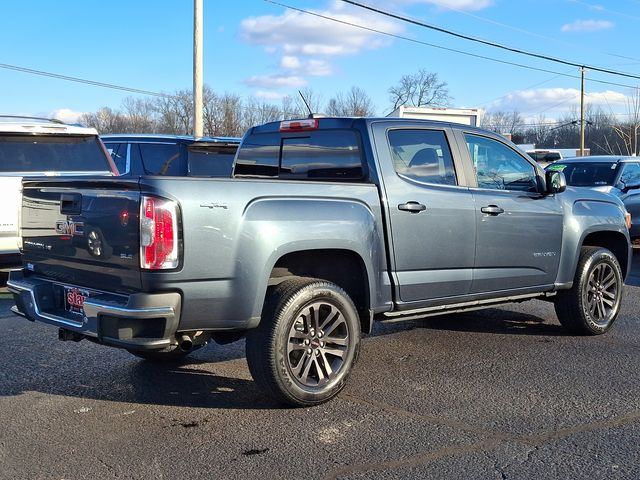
[(45, 153), (422, 155), (160, 158), (316, 155), (323, 155)]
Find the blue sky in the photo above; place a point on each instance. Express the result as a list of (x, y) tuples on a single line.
[(256, 48)]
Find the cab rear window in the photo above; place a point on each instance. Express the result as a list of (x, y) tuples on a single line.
[(317, 155), (48, 153)]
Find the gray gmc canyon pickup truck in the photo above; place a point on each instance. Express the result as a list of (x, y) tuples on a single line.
[(327, 225)]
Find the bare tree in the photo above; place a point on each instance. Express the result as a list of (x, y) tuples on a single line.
[(314, 99), (140, 114), (420, 89), (175, 113), (106, 120), (354, 103), (627, 131), (503, 122)]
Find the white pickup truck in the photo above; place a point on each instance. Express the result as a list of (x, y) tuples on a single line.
[(31, 147)]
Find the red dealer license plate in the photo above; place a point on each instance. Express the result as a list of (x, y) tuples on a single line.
[(74, 299)]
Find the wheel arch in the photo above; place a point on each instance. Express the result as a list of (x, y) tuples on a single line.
[(345, 268), (614, 241)]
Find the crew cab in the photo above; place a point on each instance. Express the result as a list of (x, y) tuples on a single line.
[(327, 225)]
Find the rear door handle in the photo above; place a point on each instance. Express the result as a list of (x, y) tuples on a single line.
[(413, 207), (492, 210), (71, 203)]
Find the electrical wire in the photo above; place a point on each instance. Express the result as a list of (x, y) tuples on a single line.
[(440, 47), (83, 80), (489, 42)]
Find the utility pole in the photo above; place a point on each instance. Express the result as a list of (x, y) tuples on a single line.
[(197, 68), (582, 121)]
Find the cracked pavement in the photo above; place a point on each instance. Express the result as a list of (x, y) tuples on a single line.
[(501, 393)]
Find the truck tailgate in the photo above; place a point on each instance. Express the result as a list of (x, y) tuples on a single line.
[(83, 231)]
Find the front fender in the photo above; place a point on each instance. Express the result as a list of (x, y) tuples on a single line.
[(584, 217)]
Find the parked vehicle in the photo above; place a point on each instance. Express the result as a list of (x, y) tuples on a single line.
[(544, 157), (466, 116), (327, 225), (617, 175), (33, 147), (175, 155)]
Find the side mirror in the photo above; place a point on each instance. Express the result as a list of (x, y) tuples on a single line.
[(556, 182), (631, 186)]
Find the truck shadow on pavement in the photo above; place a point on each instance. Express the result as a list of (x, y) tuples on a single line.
[(493, 321)]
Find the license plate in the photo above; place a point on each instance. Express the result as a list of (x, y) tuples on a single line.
[(74, 300)]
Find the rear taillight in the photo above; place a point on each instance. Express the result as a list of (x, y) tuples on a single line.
[(299, 125), (158, 233)]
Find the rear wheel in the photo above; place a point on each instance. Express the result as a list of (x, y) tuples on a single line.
[(591, 306), (306, 343)]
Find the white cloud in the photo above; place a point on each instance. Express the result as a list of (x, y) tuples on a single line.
[(297, 32), (587, 26), (269, 95), (290, 62), (541, 100), (66, 115), (307, 44), (276, 81)]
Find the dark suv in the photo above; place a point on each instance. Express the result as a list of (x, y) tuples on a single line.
[(172, 155)]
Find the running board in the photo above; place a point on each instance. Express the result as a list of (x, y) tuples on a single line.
[(456, 308)]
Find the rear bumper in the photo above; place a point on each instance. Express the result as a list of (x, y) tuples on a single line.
[(138, 321)]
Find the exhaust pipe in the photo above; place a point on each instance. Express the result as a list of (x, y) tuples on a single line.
[(69, 336), (185, 343)]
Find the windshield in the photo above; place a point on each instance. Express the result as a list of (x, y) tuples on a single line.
[(544, 157), (48, 153), (211, 160), (587, 174)]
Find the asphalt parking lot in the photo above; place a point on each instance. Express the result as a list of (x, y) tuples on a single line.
[(500, 393)]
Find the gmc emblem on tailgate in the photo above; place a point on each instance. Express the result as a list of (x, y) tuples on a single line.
[(69, 227)]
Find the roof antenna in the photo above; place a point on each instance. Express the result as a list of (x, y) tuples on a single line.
[(306, 104)]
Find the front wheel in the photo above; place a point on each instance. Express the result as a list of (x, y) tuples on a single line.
[(306, 343), (592, 304)]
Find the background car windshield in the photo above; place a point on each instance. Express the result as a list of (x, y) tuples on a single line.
[(588, 174), (41, 153), (544, 157), (214, 161)]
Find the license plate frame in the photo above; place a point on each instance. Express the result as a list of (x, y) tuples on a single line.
[(74, 299)]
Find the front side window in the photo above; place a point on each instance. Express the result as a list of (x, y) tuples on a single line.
[(422, 155), (630, 175), (498, 167)]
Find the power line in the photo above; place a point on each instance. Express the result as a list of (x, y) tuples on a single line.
[(83, 80), (527, 32), (440, 47), (489, 42)]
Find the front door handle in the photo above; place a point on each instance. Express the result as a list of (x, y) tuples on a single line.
[(413, 207), (492, 210)]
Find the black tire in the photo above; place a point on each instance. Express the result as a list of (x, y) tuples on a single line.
[(167, 356), (306, 343), (592, 304)]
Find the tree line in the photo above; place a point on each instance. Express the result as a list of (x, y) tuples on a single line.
[(605, 132), (228, 114)]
